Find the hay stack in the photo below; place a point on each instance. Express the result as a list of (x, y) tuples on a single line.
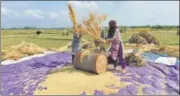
[(149, 38), (143, 37), (137, 39), (134, 59)]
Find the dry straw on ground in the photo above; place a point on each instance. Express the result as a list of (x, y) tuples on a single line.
[(134, 59), (169, 50), (29, 48), (21, 50), (11, 55)]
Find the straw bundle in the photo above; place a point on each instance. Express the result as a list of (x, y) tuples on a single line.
[(73, 18), (135, 59), (92, 26), (90, 60)]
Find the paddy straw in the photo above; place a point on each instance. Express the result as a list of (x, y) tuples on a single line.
[(73, 17), (91, 26), (21, 50)]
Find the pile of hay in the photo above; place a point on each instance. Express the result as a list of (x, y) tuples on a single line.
[(14, 55), (149, 38), (137, 39), (21, 50), (143, 37), (134, 59), (28, 48)]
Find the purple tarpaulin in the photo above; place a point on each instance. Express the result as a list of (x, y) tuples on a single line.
[(158, 73), (23, 77)]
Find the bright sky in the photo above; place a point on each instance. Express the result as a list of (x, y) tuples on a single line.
[(47, 14)]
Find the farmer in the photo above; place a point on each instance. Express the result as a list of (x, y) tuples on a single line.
[(76, 46), (116, 48)]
